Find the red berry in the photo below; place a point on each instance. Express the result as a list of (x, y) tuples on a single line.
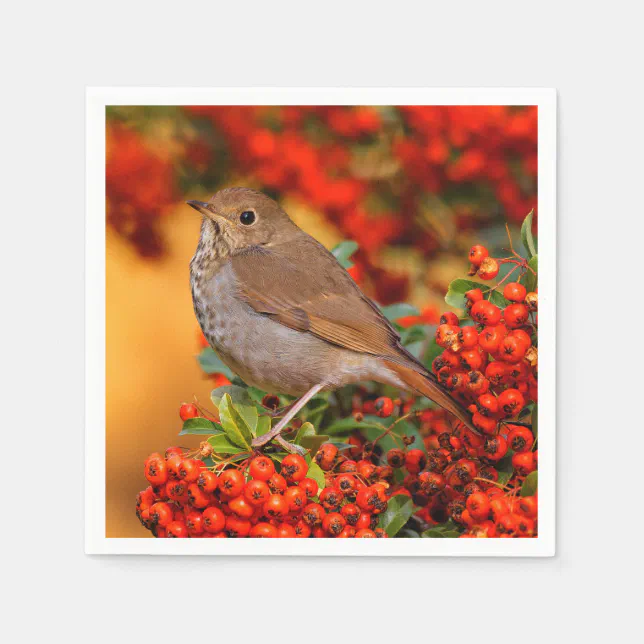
[(326, 455), (496, 373), (486, 313), (396, 457), (188, 410), (475, 295), (156, 470), (415, 461), (276, 506), (194, 522), (231, 483), (487, 404), (256, 492), (189, 469), (522, 462), (512, 350), (351, 512), (177, 530), (347, 484), (264, 531), (177, 490), (365, 534), (511, 402), (261, 468), (161, 514), (241, 507), (286, 531), (207, 481), (348, 533), (514, 292), (520, 438), (296, 499), (484, 423), (528, 506), (309, 486), (302, 530), (515, 315), (496, 447), (313, 514), (197, 497), (478, 505), (468, 337), (477, 254), (384, 407), (331, 499), (277, 484), (294, 468), (489, 269), (334, 523), (449, 318), (491, 337), (236, 527)]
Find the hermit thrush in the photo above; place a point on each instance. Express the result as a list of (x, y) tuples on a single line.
[(283, 314)]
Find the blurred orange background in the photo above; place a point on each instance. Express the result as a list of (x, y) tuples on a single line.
[(414, 186)]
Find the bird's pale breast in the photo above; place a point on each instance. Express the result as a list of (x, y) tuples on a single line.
[(267, 354)]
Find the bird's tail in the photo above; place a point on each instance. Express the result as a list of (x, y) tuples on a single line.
[(424, 384)]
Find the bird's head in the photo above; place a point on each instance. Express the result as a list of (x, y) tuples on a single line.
[(241, 218)]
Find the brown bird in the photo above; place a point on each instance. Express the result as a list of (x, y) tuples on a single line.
[(285, 316)]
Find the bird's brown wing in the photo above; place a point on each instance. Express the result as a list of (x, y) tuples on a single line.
[(302, 286)]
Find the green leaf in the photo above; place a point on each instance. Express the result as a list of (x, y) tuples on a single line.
[(433, 351), (315, 410), (235, 426), (526, 236), (416, 333), (504, 468), (210, 362), (530, 277), (307, 438), (343, 252), (199, 426), (222, 445), (313, 443), (394, 312), (263, 425), (399, 509), (238, 395), (530, 484), (408, 534), (315, 472), (256, 395), (447, 530), (346, 425), (242, 401), (456, 293), (250, 415), (339, 444), (307, 429)]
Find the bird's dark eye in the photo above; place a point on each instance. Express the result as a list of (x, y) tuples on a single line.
[(247, 217)]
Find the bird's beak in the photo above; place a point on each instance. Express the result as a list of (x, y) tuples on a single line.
[(200, 206)]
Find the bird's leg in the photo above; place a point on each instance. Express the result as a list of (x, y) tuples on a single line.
[(294, 409)]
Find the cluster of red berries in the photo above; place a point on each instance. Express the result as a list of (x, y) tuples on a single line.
[(186, 498), (454, 476), (140, 185), (344, 161), (489, 363), (491, 366)]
